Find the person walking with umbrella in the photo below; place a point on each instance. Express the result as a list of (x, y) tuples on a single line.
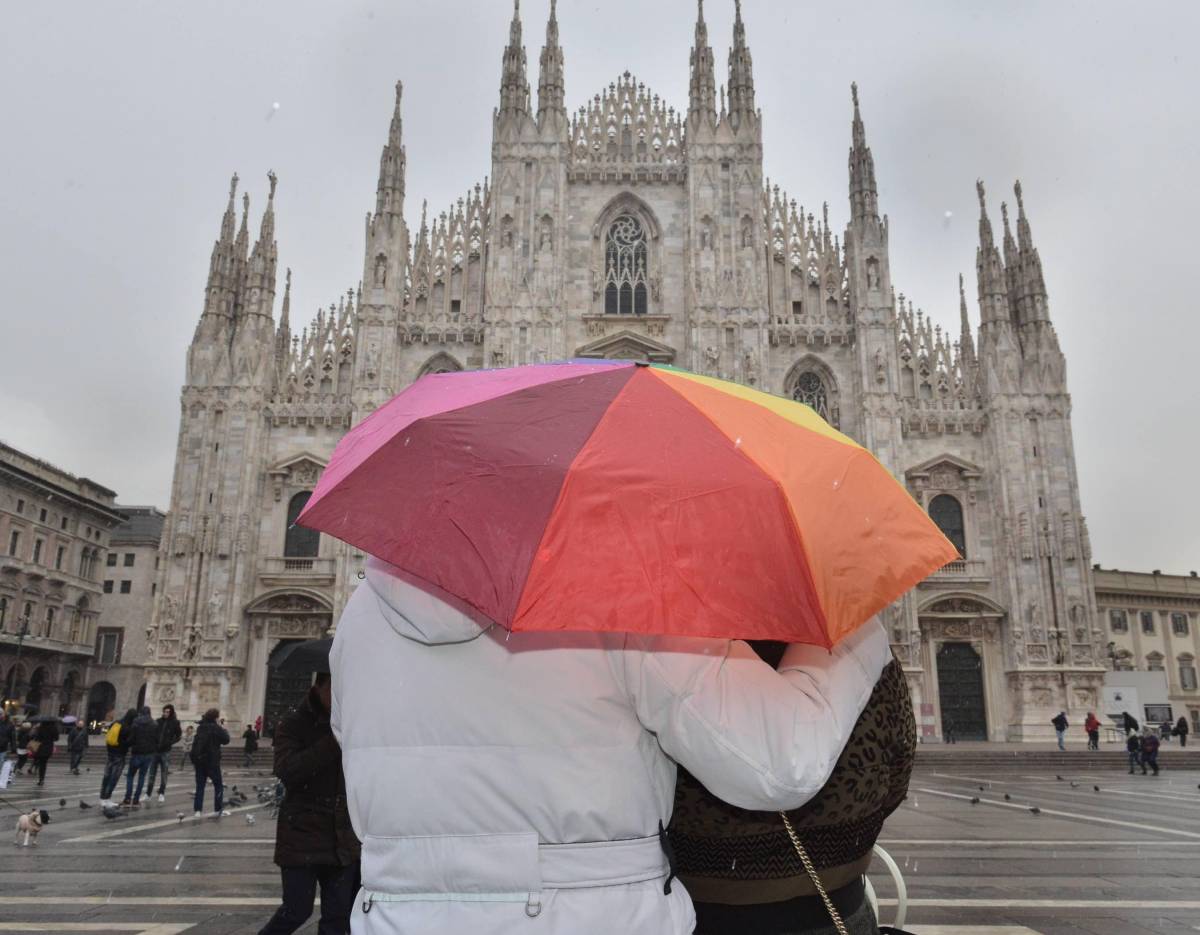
[(315, 844)]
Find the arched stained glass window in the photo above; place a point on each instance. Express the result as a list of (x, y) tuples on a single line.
[(298, 541), (810, 390), (947, 513), (625, 289)]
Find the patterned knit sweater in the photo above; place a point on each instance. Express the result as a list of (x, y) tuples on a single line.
[(729, 855)]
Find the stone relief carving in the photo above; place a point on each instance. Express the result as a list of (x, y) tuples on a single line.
[(1026, 536), (170, 613)]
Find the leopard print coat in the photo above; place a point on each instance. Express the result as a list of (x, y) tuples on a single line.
[(727, 854)]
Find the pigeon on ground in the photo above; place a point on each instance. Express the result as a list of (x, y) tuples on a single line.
[(1074, 785), (1035, 810), (112, 813), (1097, 788), (62, 803), (1007, 797), (981, 788), (249, 819), (975, 800), (83, 804), (1058, 777), (179, 815)]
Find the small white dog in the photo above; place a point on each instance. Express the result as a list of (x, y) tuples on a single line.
[(30, 825)]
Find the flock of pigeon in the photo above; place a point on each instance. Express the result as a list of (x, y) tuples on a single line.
[(113, 812), (975, 800)]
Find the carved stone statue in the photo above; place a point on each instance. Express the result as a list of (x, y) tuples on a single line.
[(880, 366), (872, 274), (170, 613), (381, 270), (193, 644)]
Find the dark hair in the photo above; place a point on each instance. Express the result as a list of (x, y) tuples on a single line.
[(211, 714), (130, 717), (322, 678), (171, 708)]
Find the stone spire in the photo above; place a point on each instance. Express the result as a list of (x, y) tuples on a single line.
[(965, 342), (993, 292), (283, 334), (1034, 305), (259, 289), (702, 89), (864, 197), (550, 75), (514, 85), (389, 193), (741, 73)]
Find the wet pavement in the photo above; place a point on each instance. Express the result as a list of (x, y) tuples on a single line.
[(1123, 860)]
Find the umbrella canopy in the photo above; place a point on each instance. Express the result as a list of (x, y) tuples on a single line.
[(608, 495), (303, 658), (70, 719)]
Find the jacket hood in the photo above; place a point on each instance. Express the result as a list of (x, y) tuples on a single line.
[(416, 614)]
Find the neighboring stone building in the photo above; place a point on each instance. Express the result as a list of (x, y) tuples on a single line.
[(54, 532), (632, 230), (130, 583), (1153, 623)]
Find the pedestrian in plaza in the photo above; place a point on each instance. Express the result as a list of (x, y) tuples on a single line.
[(1165, 730), (1182, 729), (206, 758), (77, 744), (143, 744), (41, 744), (741, 867), (24, 732), (116, 748), (185, 746), (948, 735), (169, 732), (1092, 726), (250, 745), (314, 842), (1133, 746), (8, 735), (1060, 728), (515, 748), (1129, 722), (258, 725), (1149, 751)]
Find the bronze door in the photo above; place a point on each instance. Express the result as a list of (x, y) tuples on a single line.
[(960, 688)]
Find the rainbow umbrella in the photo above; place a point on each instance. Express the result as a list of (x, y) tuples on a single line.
[(609, 495)]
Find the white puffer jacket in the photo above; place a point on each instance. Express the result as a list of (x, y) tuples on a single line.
[(516, 783)]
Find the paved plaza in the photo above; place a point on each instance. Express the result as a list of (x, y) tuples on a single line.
[(1121, 861)]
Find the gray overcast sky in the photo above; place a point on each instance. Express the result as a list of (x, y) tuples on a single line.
[(123, 122)]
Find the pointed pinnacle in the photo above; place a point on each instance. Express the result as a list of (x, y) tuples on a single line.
[(1020, 200), (982, 202), (233, 184), (273, 179), (854, 93)]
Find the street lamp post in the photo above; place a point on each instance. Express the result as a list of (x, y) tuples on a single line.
[(11, 687)]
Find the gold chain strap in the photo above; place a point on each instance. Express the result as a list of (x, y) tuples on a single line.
[(812, 875)]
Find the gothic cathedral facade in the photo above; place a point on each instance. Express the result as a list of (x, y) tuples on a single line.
[(629, 229)]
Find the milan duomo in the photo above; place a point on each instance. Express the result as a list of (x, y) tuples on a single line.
[(630, 229)]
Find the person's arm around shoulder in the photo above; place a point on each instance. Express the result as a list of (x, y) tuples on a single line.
[(756, 738)]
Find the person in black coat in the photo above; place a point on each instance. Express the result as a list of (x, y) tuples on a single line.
[(116, 754), (1128, 722), (143, 744), (206, 758), (45, 735), (24, 734), (314, 842), (169, 732), (250, 745), (1182, 729), (77, 744), (8, 734)]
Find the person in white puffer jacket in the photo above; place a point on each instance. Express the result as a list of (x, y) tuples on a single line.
[(517, 783)]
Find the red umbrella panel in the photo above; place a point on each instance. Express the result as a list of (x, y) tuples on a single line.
[(607, 496)]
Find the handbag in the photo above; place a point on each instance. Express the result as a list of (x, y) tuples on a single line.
[(33, 747), (809, 869)]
